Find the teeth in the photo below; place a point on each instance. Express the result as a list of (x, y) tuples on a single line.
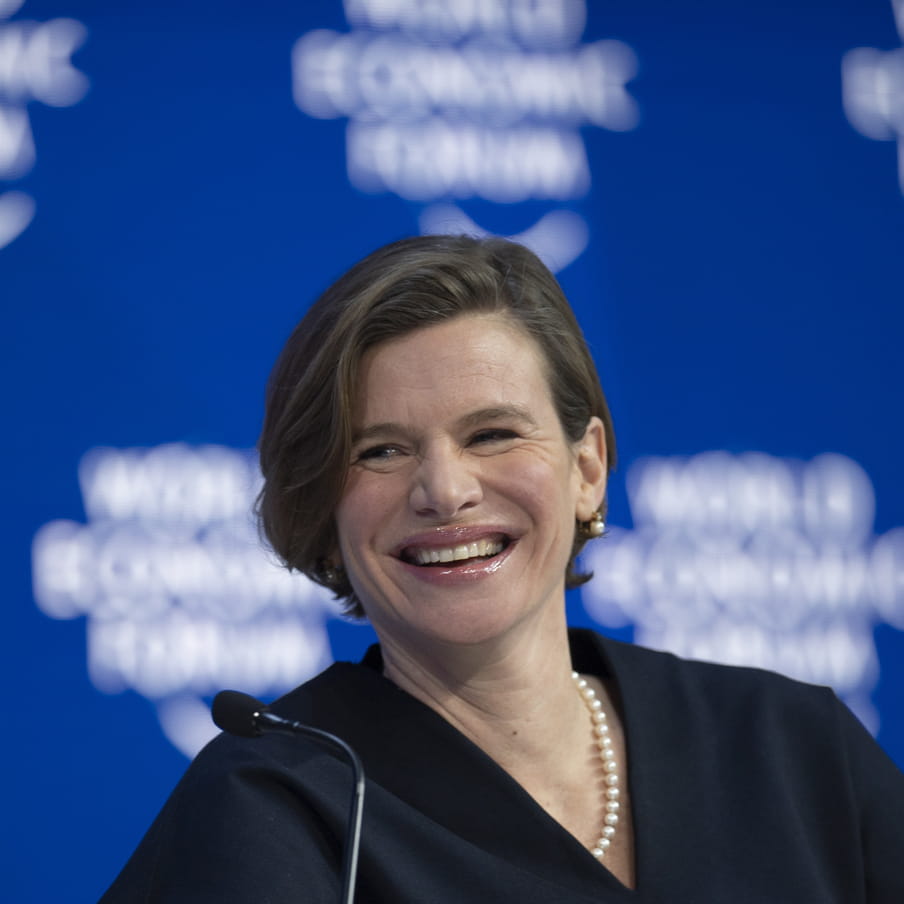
[(458, 553)]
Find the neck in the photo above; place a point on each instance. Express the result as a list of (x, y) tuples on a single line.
[(514, 697)]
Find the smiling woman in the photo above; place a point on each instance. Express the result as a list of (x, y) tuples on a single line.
[(435, 450), (314, 391)]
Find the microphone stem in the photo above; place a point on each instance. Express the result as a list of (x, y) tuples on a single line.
[(356, 805)]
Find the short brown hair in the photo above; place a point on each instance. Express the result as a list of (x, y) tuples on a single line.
[(305, 443)]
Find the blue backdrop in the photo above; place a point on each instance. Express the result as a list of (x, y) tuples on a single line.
[(720, 189)]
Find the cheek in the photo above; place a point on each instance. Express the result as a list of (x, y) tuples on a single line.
[(368, 501), (544, 482), (348, 521)]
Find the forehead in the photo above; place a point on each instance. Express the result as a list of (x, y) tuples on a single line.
[(486, 358)]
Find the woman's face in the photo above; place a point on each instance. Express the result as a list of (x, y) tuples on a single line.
[(458, 515)]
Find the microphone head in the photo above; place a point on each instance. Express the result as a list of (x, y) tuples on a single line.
[(237, 713)]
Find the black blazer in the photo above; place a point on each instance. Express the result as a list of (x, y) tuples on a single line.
[(746, 788)]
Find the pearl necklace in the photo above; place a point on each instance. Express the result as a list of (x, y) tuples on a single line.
[(607, 755)]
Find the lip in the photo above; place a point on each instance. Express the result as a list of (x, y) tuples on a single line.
[(441, 537), (461, 573)]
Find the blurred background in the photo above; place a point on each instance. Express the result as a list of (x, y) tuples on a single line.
[(719, 187)]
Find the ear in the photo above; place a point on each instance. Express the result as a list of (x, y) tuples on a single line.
[(591, 466)]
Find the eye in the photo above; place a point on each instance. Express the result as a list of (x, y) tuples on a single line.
[(382, 453)]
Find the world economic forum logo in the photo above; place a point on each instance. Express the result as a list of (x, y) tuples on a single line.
[(755, 560), (35, 65), (181, 597), (449, 100)]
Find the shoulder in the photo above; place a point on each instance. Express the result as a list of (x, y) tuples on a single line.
[(721, 700), (243, 810), (739, 712), (716, 681)]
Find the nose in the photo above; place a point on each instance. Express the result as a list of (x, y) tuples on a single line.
[(445, 484)]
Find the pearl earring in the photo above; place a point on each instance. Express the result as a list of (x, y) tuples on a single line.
[(594, 527)]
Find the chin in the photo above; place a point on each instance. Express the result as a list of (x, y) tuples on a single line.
[(465, 623)]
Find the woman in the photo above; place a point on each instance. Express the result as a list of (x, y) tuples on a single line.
[(435, 451)]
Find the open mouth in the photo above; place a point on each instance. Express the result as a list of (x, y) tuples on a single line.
[(458, 554)]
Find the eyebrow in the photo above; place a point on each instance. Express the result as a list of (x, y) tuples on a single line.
[(470, 420), (498, 413)]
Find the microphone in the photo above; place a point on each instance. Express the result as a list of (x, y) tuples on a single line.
[(240, 714)]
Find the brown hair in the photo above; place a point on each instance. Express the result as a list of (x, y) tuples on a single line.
[(305, 443)]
